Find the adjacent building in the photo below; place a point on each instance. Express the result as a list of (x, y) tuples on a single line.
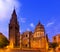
[(56, 39)]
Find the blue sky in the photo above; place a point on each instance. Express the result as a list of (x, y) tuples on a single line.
[(29, 13)]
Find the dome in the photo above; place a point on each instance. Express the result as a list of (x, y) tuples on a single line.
[(39, 27)]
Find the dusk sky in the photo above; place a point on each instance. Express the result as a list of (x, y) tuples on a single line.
[(29, 13)]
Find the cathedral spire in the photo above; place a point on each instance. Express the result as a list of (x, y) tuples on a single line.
[(14, 17), (14, 12), (38, 23)]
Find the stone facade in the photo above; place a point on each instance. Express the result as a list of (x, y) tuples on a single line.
[(39, 38), (26, 39), (35, 40)]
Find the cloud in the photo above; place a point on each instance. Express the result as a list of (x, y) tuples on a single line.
[(32, 25), (28, 29), (49, 24), (23, 20), (6, 8)]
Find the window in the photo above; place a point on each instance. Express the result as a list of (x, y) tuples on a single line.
[(38, 34), (59, 49), (54, 38), (10, 27), (26, 35), (16, 28), (59, 36), (26, 45)]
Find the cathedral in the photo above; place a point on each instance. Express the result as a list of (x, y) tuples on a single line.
[(32, 40), (28, 41)]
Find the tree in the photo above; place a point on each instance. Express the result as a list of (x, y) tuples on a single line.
[(3, 41), (53, 45)]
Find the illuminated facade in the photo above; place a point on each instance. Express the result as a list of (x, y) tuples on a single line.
[(35, 40), (39, 39), (26, 39)]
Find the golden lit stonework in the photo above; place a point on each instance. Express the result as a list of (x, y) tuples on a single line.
[(36, 41)]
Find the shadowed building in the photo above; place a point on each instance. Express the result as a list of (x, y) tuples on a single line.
[(14, 35), (56, 39)]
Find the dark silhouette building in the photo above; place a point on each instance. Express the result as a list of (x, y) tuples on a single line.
[(14, 35)]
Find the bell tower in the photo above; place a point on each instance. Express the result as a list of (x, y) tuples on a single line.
[(14, 35)]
